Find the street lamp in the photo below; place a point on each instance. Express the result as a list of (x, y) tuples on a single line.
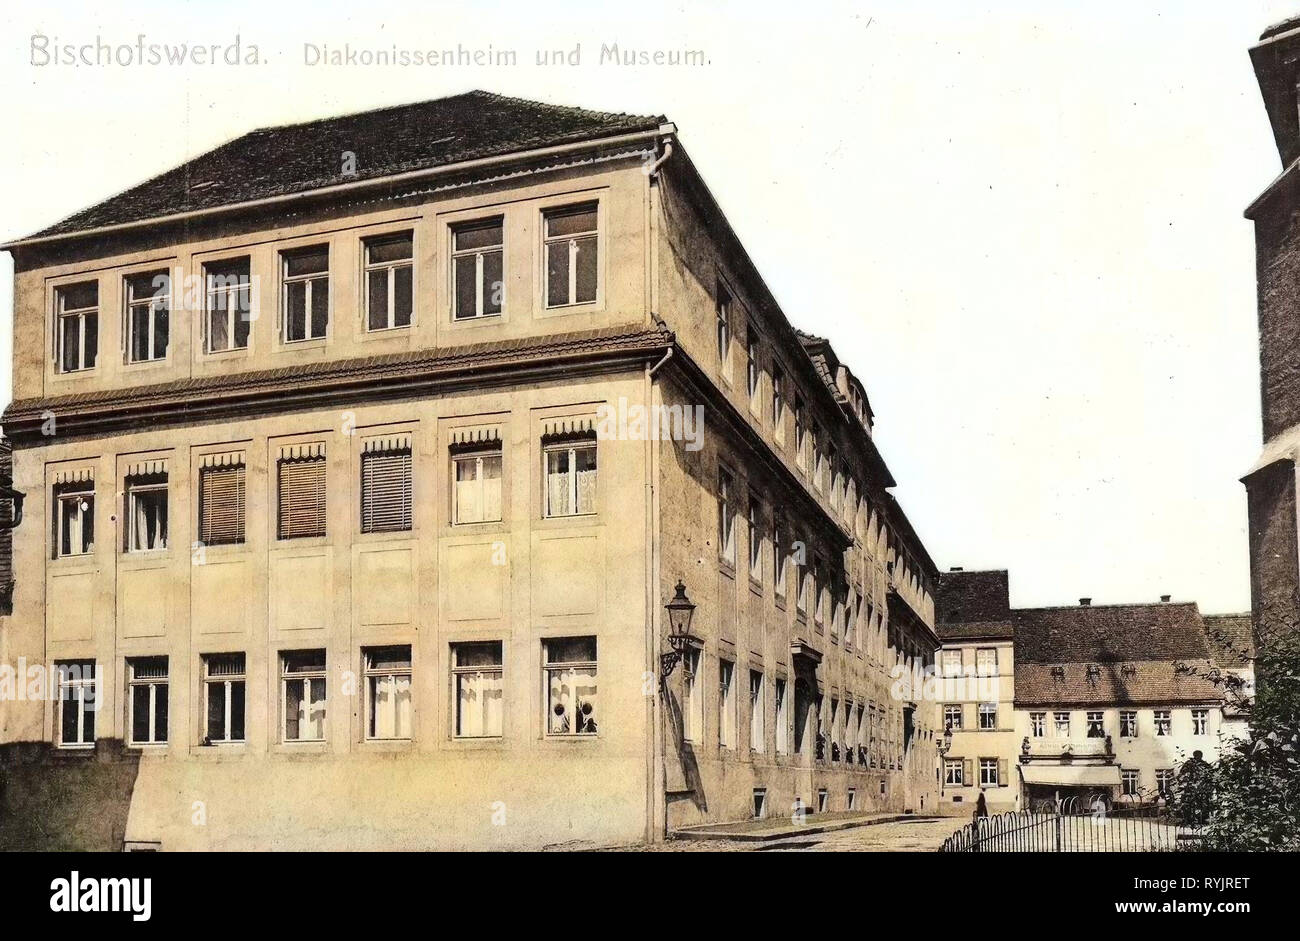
[(945, 745), (680, 611)]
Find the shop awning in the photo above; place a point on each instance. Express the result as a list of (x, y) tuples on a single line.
[(1071, 775)]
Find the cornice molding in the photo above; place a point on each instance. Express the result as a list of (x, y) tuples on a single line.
[(334, 384)]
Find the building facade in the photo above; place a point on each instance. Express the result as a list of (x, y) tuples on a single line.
[(359, 460), (1271, 481), (977, 664), (1105, 701)]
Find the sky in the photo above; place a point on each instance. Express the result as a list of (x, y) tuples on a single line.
[(1020, 224)]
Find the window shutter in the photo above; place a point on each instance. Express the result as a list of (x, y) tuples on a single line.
[(386, 491), (968, 771), (1004, 773), (221, 505), (302, 497)]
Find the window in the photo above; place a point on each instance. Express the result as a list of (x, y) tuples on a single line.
[(388, 281), (778, 401), (1096, 728), (1128, 723), (952, 772), (822, 800), (756, 704), (228, 309), (388, 692), (1037, 724), (1129, 782), (726, 518), (986, 661), (76, 333), (760, 803), (693, 697), (853, 799), (1062, 721), (302, 493), (571, 685), (751, 365), (477, 685), (224, 683), (571, 256), (800, 434), (1162, 721), (1165, 781), (386, 485), (571, 478), (146, 679), (478, 285), (146, 508), (833, 729), (988, 716), (989, 772), (755, 539), (75, 519), (804, 586), (306, 294), (726, 704), (147, 313), (951, 660), (78, 702), (221, 500), (779, 560), (476, 495), (817, 455), (782, 718), (819, 589), (303, 695), (952, 717), (723, 330), (1200, 721)]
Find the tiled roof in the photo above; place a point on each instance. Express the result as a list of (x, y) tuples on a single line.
[(1134, 682), (1231, 639), (973, 597), (1110, 633), (296, 158), (975, 630)]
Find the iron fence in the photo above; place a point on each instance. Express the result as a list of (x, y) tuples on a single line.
[(1100, 831)]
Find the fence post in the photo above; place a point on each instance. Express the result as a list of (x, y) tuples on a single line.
[(1057, 831)]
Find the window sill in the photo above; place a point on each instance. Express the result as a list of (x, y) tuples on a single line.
[(144, 365), (726, 568), (314, 343), (238, 352), (469, 323), (478, 743), (755, 586), (562, 310), (386, 333)]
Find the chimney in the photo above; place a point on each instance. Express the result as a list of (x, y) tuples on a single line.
[(1085, 602), (1164, 599), (1277, 70)]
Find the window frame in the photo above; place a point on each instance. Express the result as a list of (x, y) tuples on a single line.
[(986, 765), (390, 279), (371, 674), (726, 518), (63, 313), (227, 681), (1200, 721), (231, 293), (63, 494), (755, 521), (1038, 724), (1128, 723), (133, 682), (757, 711), (951, 765), (572, 445), (84, 713), (1094, 723), (549, 667), (989, 711), (203, 500), (286, 280), (477, 453), (455, 254), (1057, 721), (726, 704), (304, 676), (1163, 720), (151, 301), (461, 671), (132, 492), (551, 212), (953, 717), (781, 715)]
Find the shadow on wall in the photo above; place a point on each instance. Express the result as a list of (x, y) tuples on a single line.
[(52, 801), (690, 768)]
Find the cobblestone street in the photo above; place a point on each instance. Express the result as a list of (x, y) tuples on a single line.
[(915, 836)]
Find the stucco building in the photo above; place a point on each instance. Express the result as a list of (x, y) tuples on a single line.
[(360, 458), (1104, 700)]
